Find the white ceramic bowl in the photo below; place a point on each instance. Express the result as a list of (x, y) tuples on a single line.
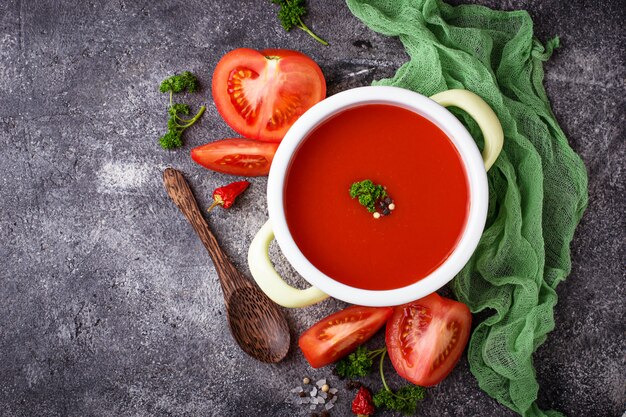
[(475, 167)]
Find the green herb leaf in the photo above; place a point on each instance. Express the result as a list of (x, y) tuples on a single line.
[(290, 15), (172, 139), (179, 83), (178, 108), (368, 193), (358, 363), (404, 400), (176, 125)]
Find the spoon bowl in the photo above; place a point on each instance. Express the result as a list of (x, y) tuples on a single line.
[(246, 314), (256, 322)]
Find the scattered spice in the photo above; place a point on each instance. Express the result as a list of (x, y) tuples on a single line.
[(314, 396), (352, 385), (225, 196), (362, 405)]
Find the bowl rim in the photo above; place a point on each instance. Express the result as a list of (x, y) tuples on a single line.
[(474, 168)]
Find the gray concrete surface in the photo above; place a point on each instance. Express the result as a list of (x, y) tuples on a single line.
[(109, 304)]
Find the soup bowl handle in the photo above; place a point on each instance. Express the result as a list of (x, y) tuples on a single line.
[(484, 116), (268, 279)]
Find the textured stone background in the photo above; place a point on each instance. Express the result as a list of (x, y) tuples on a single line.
[(109, 304)]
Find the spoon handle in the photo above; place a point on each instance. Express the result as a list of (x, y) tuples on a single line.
[(179, 191)]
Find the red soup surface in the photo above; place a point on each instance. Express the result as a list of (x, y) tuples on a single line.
[(424, 176)]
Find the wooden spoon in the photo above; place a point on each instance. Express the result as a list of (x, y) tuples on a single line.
[(256, 323)]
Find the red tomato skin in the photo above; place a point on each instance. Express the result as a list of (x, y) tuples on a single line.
[(417, 368), (286, 72), (248, 157), (320, 351)]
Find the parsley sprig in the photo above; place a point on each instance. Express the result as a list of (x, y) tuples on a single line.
[(368, 193), (357, 364), (179, 83), (360, 363), (403, 400), (176, 124), (290, 15)]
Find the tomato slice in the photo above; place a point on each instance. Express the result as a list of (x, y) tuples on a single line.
[(425, 338), (261, 94), (337, 335), (236, 156)]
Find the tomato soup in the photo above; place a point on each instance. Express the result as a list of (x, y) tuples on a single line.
[(421, 170)]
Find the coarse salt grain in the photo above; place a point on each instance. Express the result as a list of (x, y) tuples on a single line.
[(317, 395)]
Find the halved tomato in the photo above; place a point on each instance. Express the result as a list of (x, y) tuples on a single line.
[(425, 338), (236, 156), (261, 94), (337, 335)]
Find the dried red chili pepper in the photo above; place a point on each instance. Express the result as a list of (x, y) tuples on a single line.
[(225, 196), (362, 404)]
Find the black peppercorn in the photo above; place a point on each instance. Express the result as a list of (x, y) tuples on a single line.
[(351, 385)]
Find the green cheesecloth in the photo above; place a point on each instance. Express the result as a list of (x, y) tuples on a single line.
[(538, 185)]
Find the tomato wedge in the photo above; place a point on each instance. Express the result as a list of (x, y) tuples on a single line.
[(236, 156), (425, 338), (337, 335), (261, 94)]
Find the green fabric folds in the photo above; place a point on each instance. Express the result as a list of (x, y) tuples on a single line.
[(538, 185)]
